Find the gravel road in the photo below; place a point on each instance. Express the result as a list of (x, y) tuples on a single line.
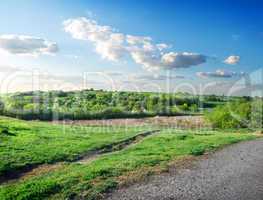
[(233, 173)]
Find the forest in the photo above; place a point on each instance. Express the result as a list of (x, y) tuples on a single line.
[(98, 104)]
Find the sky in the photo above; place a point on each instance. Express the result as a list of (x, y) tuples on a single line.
[(165, 46)]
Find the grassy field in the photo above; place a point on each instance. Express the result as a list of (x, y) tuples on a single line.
[(26, 144), (91, 180)]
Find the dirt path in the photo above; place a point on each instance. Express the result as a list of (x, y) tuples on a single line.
[(117, 146), (84, 159), (235, 172)]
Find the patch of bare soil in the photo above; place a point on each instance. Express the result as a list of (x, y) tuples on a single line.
[(173, 122)]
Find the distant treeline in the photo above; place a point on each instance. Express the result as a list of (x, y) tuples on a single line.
[(98, 104)]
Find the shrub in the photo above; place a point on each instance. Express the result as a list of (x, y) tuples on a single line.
[(198, 150), (237, 115)]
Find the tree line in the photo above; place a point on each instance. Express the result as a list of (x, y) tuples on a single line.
[(99, 104)]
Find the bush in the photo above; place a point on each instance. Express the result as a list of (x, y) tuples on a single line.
[(239, 114), (198, 150)]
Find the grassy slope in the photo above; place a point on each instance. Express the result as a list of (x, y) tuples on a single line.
[(76, 181), (31, 143)]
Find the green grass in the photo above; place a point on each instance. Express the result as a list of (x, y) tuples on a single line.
[(78, 181), (24, 144)]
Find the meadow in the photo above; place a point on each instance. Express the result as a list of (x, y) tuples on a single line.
[(37, 143), (69, 159), (25, 144)]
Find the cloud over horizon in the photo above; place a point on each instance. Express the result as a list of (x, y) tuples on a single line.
[(220, 74), (114, 46), (148, 77), (232, 60), (27, 45)]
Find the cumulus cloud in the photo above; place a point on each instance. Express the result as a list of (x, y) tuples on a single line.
[(220, 74), (135, 40), (27, 45), (232, 60), (157, 78), (112, 45), (182, 60), (108, 43)]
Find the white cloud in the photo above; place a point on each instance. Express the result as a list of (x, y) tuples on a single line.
[(157, 78), (86, 29), (112, 45), (111, 49), (162, 46), (220, 74), (154, 60), (108, 43), (147, 59), (232, 60), (182, 60), (138, 40), (27, 45)]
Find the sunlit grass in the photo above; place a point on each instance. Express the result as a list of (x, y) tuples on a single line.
[(91, 180), (24, 144)]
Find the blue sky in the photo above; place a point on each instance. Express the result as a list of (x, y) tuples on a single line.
[(215, 29)]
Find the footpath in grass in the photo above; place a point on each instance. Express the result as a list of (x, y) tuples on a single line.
[(90, 181), (24, 144)]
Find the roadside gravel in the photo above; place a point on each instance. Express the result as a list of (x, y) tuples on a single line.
[(233, 173)]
